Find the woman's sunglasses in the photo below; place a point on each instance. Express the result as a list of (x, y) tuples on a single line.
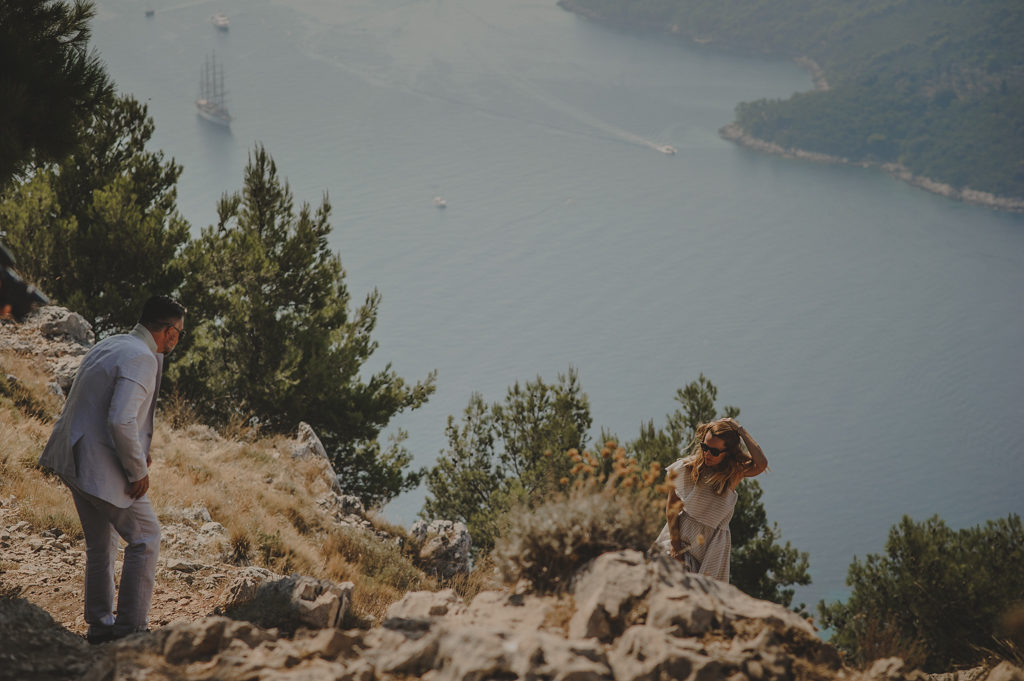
[(711, 450)]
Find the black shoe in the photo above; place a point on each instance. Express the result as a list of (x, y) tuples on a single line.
[(122, 630), (113, 632), (100, 634)]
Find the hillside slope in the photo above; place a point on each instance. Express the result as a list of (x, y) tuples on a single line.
[(366, 601)]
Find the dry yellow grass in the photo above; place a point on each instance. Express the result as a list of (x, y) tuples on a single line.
[(23, 433), (265, 499)]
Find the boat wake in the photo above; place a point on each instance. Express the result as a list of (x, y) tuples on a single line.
[(322, 37)]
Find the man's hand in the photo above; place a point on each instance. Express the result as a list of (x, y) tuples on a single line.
[(138, 488)]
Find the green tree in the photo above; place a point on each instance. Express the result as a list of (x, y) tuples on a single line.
[(696, 406), (100, 231), (761, 565), (273, 338), (50, 84), (934, 86), (511, 455), (935, 597), (506, 454)]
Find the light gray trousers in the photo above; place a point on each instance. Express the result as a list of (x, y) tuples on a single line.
[(102, 523)]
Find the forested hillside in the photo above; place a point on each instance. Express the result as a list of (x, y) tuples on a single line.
[(934, 85)]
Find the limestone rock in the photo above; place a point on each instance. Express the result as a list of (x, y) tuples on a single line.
[(64, 370), (200, 641), (343, 505), (290, 602), (1005, 671), (307, 446), (60, 323), (606, 592), (426, 604), (621, 585), (444, 547), (212, 528), (454, 652), (648, 654), (198, 513), (179, 565), (972, 674), (892, 669), (245, 586)]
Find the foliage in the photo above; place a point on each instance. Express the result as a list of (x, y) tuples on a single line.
[(507, 453), (938, 591), (608, 503), (696, 406), (50, 85), (99, 232), (934, 86), (273, 340), (15, 393), (506, 460), (760, 565), (380, 560)]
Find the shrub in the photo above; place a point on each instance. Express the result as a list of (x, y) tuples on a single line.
[(937, 590), (377, 559), (609, 503)]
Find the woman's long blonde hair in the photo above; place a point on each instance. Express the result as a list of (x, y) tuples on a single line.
[(725, 475)]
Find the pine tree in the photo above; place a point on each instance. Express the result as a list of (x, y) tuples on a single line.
[(507, 454), (99, 232), (273, 339), (50, 85), (935, 598)]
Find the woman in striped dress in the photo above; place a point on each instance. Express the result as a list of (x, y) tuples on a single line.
[(701, 504)]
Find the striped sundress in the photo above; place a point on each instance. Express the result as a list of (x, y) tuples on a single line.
[(703, 524)]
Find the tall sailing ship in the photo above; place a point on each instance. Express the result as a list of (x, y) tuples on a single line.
[(210, 104)]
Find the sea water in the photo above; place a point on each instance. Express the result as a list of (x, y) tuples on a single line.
[(871, 332)]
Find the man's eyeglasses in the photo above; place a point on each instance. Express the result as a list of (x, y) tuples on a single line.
[(711, 450), (181, 332)]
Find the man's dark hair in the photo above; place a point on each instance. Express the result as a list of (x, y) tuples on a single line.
[(160, 311)]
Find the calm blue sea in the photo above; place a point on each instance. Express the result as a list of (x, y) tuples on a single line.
[(871, 333)]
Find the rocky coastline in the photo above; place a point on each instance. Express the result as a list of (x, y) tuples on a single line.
[(734, 133)]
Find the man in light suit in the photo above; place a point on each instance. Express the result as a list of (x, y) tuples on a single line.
[(100, 449)]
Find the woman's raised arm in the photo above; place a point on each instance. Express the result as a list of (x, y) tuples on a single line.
[(760, 463)]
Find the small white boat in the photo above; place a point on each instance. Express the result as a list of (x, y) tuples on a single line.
[(667, 150), (220, 20), (440, 202)]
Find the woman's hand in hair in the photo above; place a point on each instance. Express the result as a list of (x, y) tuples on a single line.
[(732, 422)]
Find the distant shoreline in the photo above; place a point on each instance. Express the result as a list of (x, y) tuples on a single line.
[(734, 133)]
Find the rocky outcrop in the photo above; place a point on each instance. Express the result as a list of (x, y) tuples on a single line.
[(61, 324), (626, 618), (308, 446), (55, 335), (444, 547), (288, 603)]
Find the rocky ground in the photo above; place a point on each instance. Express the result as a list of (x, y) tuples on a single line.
[(41, 633), (48, 570), (623, 617)]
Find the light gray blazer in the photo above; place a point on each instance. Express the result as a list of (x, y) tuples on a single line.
[(101, 441)]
